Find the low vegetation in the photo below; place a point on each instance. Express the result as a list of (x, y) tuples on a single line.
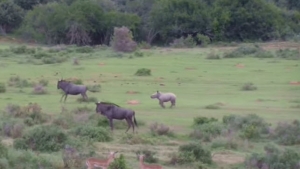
[(143, 72)]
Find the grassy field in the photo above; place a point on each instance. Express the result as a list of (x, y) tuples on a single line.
[(197, 82)]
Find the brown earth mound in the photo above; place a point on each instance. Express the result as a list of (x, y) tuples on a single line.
[(133, 102), (295, 83), (101, 64), (239, 65), (132, 92)]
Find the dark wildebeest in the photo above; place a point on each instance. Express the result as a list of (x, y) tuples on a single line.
[(164, 97), (113, 111), (72, 89)]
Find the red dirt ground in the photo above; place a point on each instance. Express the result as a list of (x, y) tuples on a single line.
[(133, 102), (239, 65), (295, 83)]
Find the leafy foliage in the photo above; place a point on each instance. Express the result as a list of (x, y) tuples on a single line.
[(92, 133), (119, 163), (143, 72), (287, 134), (42, 138), (122, 40)]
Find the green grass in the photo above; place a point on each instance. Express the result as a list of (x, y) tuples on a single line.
[(196, 81)]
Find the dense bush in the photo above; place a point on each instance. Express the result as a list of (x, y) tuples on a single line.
[(287, 134), (42, 138), (84, 49), (291, 54), (250, 126), (3, 151), (12, 128), (2, 88), (203, 39), (92, 133), (203, 120), (122, 40), (119, 163), (207, 131), (148, 156), (182, 42), (193, 152), (160, 129), (274, 158), (143, 72), (248, 87), (243, 51)]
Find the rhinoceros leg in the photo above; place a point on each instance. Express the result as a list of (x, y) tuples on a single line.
[(173, 102), (162, 104)]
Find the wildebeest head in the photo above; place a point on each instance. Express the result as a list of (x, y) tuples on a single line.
[(103, 107), (155, 95), (61, 83)]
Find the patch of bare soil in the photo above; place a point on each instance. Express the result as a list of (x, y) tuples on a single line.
[(132, 92), (133, 102), (162, 84), (228, 158), (239, 65), (295, 83), (101, 64)]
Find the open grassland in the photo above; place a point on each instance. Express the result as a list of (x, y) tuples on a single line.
[(198, 82)]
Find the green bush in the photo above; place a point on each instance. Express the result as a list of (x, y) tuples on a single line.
[(3, 151), (250, 132), (84, 49), (287, 134), (203, 39), (203, 120), (244, 50), (227, 143), (143, 72), (12, 128), (193, 152), (119, 163), (248, 87), (182, 42), (42, 138), (274, 158), (291, 54), (22, 50), (41, 55), (264, 54), (92, 133), (2, 88), (16, 81), (213, 56), (207, 131)]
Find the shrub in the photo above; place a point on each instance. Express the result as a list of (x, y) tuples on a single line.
[(44, 82), (160, 129), (212, 106), (213, 55), (249, 87), (31, 114), (251, 125), (71, 157), (92, 133), (227, 143), (16, 81), (207, 131), (41, 55), (182, 42), (264, 54), (193, 152), (143, 72), (203, 120), (94, 88), (287, 134), (84, 49), (22, 50), (39, 89), (42, 138), (274, 158), (53, 59), (138, 54), (3, 151), (12, 128), (122, 40), (2, 88), (149, 156), (288, 54), (144, 45), (118, 163), (80, 110), (204, 40), (244, 50)]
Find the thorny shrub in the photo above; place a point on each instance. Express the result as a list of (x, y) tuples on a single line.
[(160, 129), (274, 158), (122, 40), (190, 153), (91, 133), (71, 157), (42, 138), (287, 134)]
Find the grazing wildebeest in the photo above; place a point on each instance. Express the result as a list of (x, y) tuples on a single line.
[(72, 89), (113, 111), (164, 97)]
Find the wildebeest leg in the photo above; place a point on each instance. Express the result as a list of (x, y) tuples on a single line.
[(111, 124), (66, 95), (84, 96), (62, 97), (129, 124), (162, 104)]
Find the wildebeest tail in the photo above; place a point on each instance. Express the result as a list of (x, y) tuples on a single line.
[(134, 120)]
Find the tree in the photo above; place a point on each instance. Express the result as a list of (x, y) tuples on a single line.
[(11, 15)]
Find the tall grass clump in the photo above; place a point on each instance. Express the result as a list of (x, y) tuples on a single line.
[(290, 54), (143, 72)]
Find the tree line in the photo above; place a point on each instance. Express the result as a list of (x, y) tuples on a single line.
[(90, 22)]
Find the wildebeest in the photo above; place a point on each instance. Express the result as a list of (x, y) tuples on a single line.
[(164, 97), (72, 89), (113, 111)]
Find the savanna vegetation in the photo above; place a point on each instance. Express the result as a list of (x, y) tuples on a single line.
[(233, 64)]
